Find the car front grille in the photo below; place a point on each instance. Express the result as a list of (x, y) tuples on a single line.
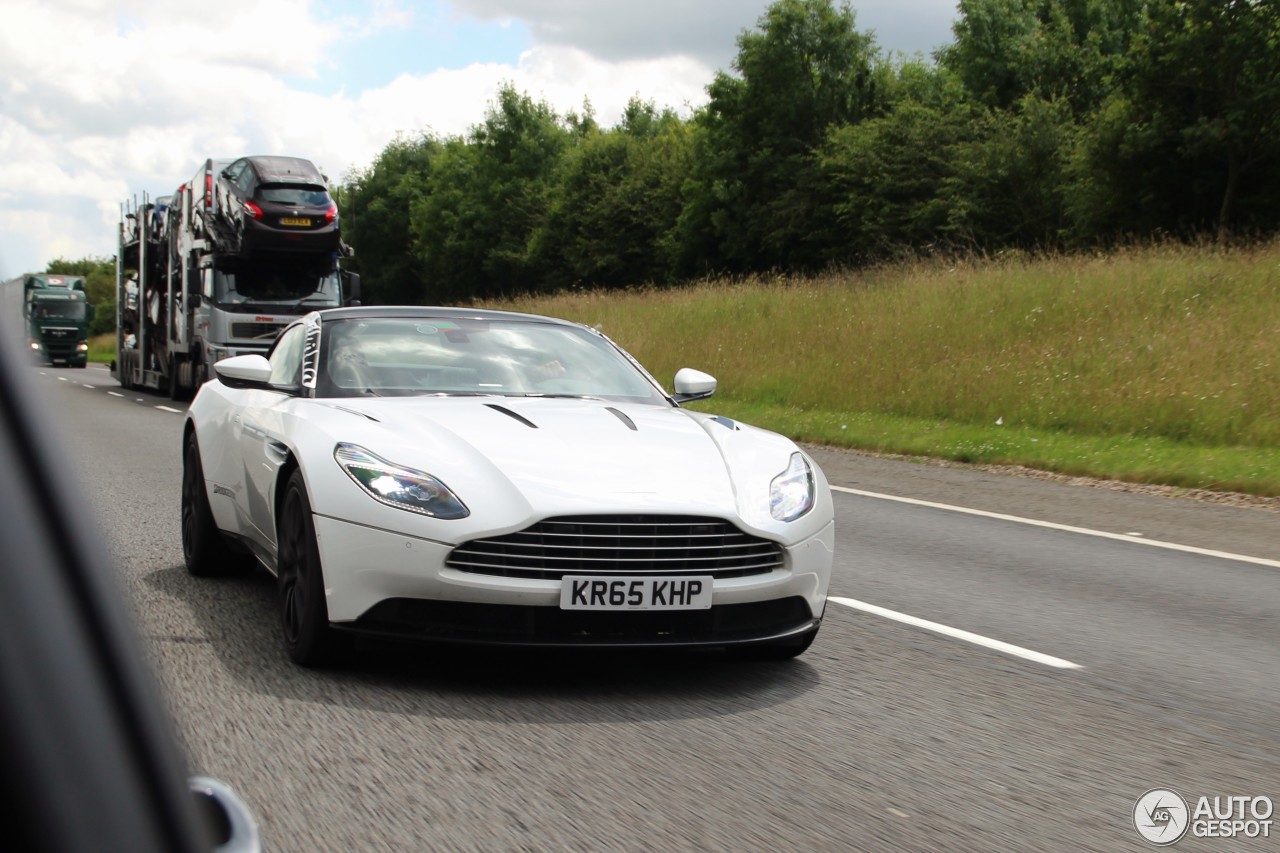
[(628, 544)]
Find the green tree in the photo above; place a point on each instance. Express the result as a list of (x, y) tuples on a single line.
[(890, 174), (755, 191), (375, 204), (616, 201), (1009, 185), (488, 194), (1057, 49), (1209, 72)]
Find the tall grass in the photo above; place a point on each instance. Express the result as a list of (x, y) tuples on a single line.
[(1176, 343)]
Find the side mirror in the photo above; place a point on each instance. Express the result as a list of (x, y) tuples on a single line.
[(244, 370), (693, 385), (230, 821)]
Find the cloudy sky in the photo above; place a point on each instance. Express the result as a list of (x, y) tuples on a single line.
[(101, 100)]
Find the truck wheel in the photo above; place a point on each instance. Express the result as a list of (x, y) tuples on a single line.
[(203, 548), (175, 388), (304, 617)]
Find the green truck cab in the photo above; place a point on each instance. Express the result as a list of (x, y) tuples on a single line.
[(57, 312)]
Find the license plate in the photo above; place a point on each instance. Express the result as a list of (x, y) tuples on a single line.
[(295, 220), (593, 592)]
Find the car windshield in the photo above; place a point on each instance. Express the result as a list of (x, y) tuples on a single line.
[(260, 287), (63, 309), (301, 196), (464, 356)]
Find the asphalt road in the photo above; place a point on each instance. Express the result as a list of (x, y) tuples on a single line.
[(1136, 666)]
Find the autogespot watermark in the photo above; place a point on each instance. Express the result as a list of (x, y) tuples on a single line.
[(1162, 816)]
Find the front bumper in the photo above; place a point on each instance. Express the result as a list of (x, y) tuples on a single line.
[(389, 584), (61, 352), (259, 236)]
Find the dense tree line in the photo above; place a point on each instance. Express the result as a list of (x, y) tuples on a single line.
[(1044, 124)]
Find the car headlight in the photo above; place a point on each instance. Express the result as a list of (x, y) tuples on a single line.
[(35, 345), (83, 346), (394, 485), (791, 492)]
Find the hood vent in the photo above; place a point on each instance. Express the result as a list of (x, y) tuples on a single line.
[(622, 416), (521, 418), (357, 413)]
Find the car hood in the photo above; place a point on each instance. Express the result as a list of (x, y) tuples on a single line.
[(513, 458)]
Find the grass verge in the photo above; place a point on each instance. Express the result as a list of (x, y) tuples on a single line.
[(102, 348)]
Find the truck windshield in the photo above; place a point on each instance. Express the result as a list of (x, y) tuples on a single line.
[(279, 287), (63, 309)]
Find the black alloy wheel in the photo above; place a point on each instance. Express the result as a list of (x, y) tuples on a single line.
[(304, 617)]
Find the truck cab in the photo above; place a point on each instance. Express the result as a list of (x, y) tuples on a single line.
[(57, 312)]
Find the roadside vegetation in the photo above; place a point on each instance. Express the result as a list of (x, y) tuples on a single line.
[(102, 348), (1154, 365)]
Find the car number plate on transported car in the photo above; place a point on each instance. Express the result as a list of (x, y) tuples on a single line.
[(295, 220), (594, 592)]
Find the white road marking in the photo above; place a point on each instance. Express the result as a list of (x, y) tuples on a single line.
[(62, 379), (1102, 534), (956, 633), (115, 394), (167, 409), (87, 386)]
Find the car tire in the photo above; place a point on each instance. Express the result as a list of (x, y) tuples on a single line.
[(776, 650), (304, 617), (204, 550)]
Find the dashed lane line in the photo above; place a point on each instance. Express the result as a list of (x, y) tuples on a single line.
[(956, 633)]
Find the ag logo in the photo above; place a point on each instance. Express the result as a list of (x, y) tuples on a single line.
[(1161, 816)]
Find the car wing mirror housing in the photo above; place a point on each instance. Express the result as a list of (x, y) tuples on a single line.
[(229, 821), (693, 385), (244, 370)]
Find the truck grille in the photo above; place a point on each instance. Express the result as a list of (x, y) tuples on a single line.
[(628, 544), (256, 331)]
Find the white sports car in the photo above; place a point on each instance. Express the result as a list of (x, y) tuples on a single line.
[(458, 475)]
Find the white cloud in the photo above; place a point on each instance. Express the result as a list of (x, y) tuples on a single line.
[(704, 30)]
